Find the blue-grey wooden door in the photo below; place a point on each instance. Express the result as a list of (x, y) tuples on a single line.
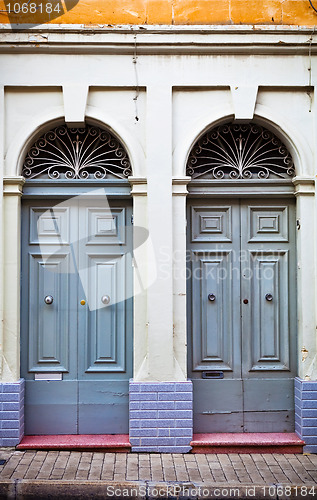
[(242, 314), (76, 353)]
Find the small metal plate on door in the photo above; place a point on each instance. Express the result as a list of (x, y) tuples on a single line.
[(212, 374)]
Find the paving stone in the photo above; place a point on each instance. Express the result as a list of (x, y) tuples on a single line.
[(269, 459), (144, 473), (168, 468), (219, 476), (299, 469), (201, 468), (108, 467)]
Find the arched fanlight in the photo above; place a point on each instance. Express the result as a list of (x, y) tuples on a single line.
[(240, 151), (77, 153)]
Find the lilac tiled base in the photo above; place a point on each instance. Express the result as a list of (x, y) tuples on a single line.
[(306, 413), (161, 416), (11, 413)]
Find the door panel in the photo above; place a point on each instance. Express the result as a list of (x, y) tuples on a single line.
[(215, 340), (218, 405), (79, 252), (269, 316), (48, 324), (105, 323), (212, 323), (105, 406), (51, 407), (211, 224), (244, 255)]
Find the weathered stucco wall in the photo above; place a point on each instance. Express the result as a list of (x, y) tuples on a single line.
[(287, 12)]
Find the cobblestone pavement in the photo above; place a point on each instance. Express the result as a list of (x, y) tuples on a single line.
[(121, 467)]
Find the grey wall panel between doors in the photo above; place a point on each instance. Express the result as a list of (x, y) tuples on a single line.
[(50, 407), (218, 405), (103, 407)]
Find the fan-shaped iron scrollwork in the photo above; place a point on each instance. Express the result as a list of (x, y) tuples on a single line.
[(240, 152), (77, 153)]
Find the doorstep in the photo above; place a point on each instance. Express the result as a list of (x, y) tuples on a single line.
[(112, 443), (247, 442)]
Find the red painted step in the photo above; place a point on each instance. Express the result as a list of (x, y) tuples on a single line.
[(248, 442), (104, 442)]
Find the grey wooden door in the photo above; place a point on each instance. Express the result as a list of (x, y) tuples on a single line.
[(242, 314), (76, 352)]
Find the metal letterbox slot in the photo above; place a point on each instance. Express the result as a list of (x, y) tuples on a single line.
[(212, 374), (48, 376)]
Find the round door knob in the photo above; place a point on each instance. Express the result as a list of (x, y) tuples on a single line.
[(245, 301), (83, 302), (269, 297), (48, 299), (105, 299), (212, 297)]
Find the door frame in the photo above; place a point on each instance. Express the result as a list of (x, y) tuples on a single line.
[(230, 190), (60, 190)]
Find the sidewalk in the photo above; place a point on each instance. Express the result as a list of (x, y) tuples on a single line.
[(65, 474)]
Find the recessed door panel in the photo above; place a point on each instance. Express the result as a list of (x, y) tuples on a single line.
[(268, 224), (49, 226), (105, 225), (48, 323), (212, 323), (105, 313), (269, 318), (211, 224)]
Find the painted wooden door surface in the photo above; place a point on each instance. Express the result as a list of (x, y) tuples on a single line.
[(79, 253), (242, 314)]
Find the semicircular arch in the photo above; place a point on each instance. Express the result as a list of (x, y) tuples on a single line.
[(285, 130), (42, 123)]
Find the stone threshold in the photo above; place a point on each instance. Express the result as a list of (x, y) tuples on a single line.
[(247, 442), (112, 443)]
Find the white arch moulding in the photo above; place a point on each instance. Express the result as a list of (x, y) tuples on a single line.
[(43, 122), (296, 143)]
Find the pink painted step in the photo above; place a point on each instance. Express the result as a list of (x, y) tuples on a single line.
[(105, 442), (248, 442)]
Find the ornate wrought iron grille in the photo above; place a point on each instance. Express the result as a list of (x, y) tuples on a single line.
[(240, 152), (77, 153)]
